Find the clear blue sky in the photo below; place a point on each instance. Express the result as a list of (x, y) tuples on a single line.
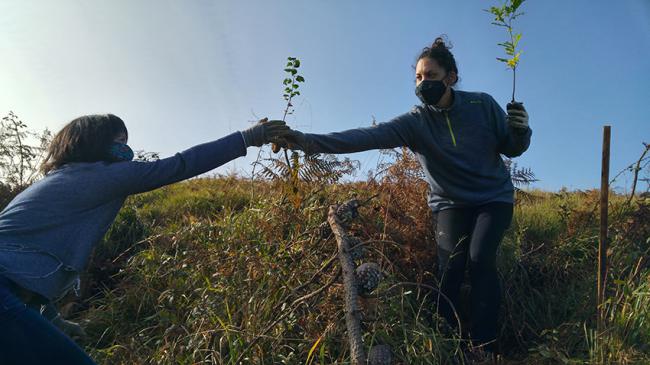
[(184, 72)]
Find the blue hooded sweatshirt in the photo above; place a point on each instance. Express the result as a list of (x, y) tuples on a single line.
[(459, 148), (48, 231)]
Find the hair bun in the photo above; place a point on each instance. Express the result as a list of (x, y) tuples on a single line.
[(440, 42)]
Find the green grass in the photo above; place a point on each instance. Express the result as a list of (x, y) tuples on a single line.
[(211, 271)]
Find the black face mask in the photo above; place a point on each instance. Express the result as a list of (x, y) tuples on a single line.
[(430, 91)]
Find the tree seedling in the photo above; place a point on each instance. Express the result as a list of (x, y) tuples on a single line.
[(504, 16)]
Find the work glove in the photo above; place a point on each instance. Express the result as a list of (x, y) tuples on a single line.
[(293, 140), (517, 116), (72, 329), (263, 132)]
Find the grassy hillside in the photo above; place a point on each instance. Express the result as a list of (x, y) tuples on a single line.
[(224, 270)]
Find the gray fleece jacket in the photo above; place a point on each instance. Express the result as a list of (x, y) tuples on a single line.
[(459, 148), (48, 231)]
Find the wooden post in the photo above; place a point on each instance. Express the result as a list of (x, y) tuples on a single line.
[(602, 246), (352, 312)]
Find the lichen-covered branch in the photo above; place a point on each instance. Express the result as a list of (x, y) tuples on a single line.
[(352, 312)]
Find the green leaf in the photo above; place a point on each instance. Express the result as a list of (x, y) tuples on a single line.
[(289, 70), (297, 93), (502, 59), (300, 78), (286, 81), (296, 63), (293, 71), (295, 86)]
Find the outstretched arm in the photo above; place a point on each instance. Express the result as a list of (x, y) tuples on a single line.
[(395, 133), (132, 177)]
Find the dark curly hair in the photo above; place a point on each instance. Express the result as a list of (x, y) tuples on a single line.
[(439, 51), (85, 139)]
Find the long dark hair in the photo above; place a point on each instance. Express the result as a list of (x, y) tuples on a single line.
[(85, 139)]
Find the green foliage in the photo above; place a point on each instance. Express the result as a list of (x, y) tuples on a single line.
[(504, 16), (301, 176), (21, 151), (212, 272), (291, 83)]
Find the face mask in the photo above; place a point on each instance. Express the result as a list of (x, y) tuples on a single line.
[(120, 152), (430, 91)]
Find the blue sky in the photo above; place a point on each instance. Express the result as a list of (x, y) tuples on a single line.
[(184, 72)]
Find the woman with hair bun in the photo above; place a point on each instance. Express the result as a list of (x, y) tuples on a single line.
[(458, 138), (48, 231)]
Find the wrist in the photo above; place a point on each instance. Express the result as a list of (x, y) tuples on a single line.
[(520, 131), (247, 137)]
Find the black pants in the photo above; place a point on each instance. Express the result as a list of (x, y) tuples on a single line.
[(471, 235)]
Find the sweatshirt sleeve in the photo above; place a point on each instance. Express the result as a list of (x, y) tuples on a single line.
[(394, 133), (134, 177), (512, 141)]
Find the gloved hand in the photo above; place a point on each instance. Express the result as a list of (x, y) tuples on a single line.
[(72, 329), (517, 116), (293, 140), (264, 132)]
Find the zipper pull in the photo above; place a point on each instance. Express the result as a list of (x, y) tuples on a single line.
[(451, 132)]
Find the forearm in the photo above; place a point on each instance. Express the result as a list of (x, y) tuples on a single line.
[(356, 140), (135, 177), (517, 142)]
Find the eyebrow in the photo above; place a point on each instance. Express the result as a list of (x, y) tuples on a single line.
[(428, 73)]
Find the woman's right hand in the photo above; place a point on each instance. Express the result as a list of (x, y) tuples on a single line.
[(293, 140)]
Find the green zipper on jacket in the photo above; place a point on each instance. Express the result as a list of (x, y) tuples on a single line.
[(453, 138)]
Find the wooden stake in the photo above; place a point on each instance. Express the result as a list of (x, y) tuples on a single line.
[(352, 312), (602, 247)]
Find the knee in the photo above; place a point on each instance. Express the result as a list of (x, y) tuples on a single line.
[(481, 264), (450, 264)]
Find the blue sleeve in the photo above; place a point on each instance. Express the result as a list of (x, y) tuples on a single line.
[(134, 177), (394, 133), (512, 142)]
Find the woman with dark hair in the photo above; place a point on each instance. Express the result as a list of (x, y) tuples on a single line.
[(458, 138), (48, 231)]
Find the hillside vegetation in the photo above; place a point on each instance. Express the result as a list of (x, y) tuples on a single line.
[(225, 270)]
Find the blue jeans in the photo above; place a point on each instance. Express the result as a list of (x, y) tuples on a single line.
[(28, 338)]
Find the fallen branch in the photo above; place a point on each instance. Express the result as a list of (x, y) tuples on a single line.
[(352, 312)]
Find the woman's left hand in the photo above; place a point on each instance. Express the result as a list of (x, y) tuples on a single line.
[(517, 116)]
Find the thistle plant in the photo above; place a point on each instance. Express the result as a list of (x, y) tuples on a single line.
[(504, 16)]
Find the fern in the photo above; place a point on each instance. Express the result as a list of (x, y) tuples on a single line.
[(520, 176), (313, 169)]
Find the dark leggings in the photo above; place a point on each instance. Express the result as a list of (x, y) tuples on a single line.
[(26, 337), (472, 233)]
